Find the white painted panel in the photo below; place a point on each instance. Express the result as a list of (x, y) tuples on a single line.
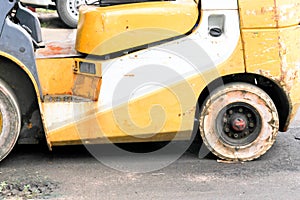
[(219, 4)]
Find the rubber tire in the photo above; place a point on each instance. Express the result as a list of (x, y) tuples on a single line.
[(249, 94), (65, 16), (11, 119)]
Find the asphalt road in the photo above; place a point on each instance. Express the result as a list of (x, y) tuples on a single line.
[(72, 173)]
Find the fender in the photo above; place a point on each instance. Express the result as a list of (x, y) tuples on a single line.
[(27, 92), (25, 69), (17, 43)]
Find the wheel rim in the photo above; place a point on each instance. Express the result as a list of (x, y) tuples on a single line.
[(73, 7), (238, 124)]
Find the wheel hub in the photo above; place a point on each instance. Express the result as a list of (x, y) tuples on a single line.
[(73, 7), (238, 124)]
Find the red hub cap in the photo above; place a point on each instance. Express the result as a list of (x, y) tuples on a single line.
[(239, 124)]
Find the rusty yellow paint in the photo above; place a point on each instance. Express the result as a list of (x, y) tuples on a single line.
[(56, 75), (87, 86), (159, 116), (289, 45), (288, 12), (261, 51), (253, 15), (290, 64), (273, 53), (269, 13), (104, 30)]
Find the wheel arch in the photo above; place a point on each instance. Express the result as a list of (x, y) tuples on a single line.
[(19, 78), (277, 94)]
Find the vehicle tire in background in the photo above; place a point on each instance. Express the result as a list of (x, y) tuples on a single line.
[(10, 119), (239, 122), (68, 11)]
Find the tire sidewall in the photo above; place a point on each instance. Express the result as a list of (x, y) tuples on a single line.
[(63, 12), (11, 120)]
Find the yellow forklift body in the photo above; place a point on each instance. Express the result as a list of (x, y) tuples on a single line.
[(138, 120), (257, 41)]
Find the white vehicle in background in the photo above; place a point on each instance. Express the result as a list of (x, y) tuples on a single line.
[(66, 9)]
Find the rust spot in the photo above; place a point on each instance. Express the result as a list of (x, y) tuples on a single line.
[(275, 10), (288, 75), (29, 126), (56, 49), (188, 112), (263, 10)]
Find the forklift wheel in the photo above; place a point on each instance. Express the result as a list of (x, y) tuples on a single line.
[(10, 119), (239, 122)]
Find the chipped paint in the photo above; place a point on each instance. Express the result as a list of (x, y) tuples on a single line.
[(288, 13), (289, 74), (269, 13), (273, 52)]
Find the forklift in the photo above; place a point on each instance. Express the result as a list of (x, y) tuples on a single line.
[(149, 71)]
